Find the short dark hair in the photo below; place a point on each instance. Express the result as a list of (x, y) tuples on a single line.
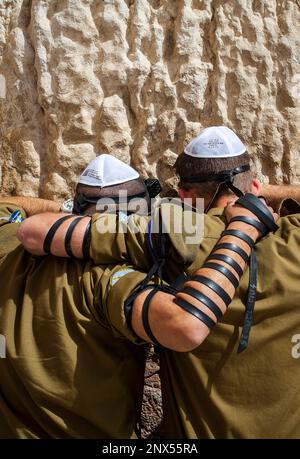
[(189, 166), (133, 188)]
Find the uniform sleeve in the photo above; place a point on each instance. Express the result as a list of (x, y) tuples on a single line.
[(115, 288), (10, 219), (114, 240), (288, 206)]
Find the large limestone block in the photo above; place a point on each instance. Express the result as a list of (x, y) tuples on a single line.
[(138, 79)]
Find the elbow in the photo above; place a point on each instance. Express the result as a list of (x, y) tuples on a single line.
[(22, 232), (190, 333), (28, 235), (192, 340)]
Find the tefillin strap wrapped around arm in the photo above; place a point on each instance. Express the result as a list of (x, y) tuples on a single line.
[(51, 233), (258, 208), (205, 299), (87, 240), (68, 238), (154, 289), (264, 226)]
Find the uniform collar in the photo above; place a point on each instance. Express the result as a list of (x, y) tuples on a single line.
[(216, 211), (288, 206)]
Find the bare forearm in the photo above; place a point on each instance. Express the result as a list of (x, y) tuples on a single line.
[(32, 205)]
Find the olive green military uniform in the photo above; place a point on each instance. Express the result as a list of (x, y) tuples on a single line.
[(72, 366), (9, 240), (213, 392)]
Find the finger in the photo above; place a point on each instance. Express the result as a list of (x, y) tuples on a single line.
[(230, 204), (263, 199), (271, 209)]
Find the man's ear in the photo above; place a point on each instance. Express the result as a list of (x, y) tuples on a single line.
[(183, 194), (256, 187)]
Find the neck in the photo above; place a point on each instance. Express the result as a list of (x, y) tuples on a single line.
[(223, 201)]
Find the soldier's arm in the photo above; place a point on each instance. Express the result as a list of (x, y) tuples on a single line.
[(33, 231), (182, 321), (175, 328), (111, 244), (31, 205), (275, 194)]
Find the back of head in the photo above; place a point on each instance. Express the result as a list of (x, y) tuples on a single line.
[(216, 155), (107, 185)]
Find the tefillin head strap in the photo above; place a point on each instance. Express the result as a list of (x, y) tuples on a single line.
[(225, 177), (51, 233), (81, 201), (219, 177)]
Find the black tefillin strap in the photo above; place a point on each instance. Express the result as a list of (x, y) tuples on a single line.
[(244, 237), (230, 261), (146, 305), (266, 224), (191, 309), (250, 303), (222, 177), (159, 253), (159, 259), (255, 223), (211, 305), (256, 207), (81, 201), (204, 299), (68, 237), (235, 248), (261, 211), (153, 187), (213, 286), (145, 310), (50, 235), (251, 294), (86, 238)]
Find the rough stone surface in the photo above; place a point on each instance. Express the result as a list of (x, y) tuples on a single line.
[(138, 78), (151, 415)]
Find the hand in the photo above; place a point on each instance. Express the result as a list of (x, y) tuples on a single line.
[(234, 210)]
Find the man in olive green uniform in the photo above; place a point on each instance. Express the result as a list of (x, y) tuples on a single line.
[(72, 367), (213, 392)]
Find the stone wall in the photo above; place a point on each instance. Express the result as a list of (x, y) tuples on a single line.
[(138, 79)]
